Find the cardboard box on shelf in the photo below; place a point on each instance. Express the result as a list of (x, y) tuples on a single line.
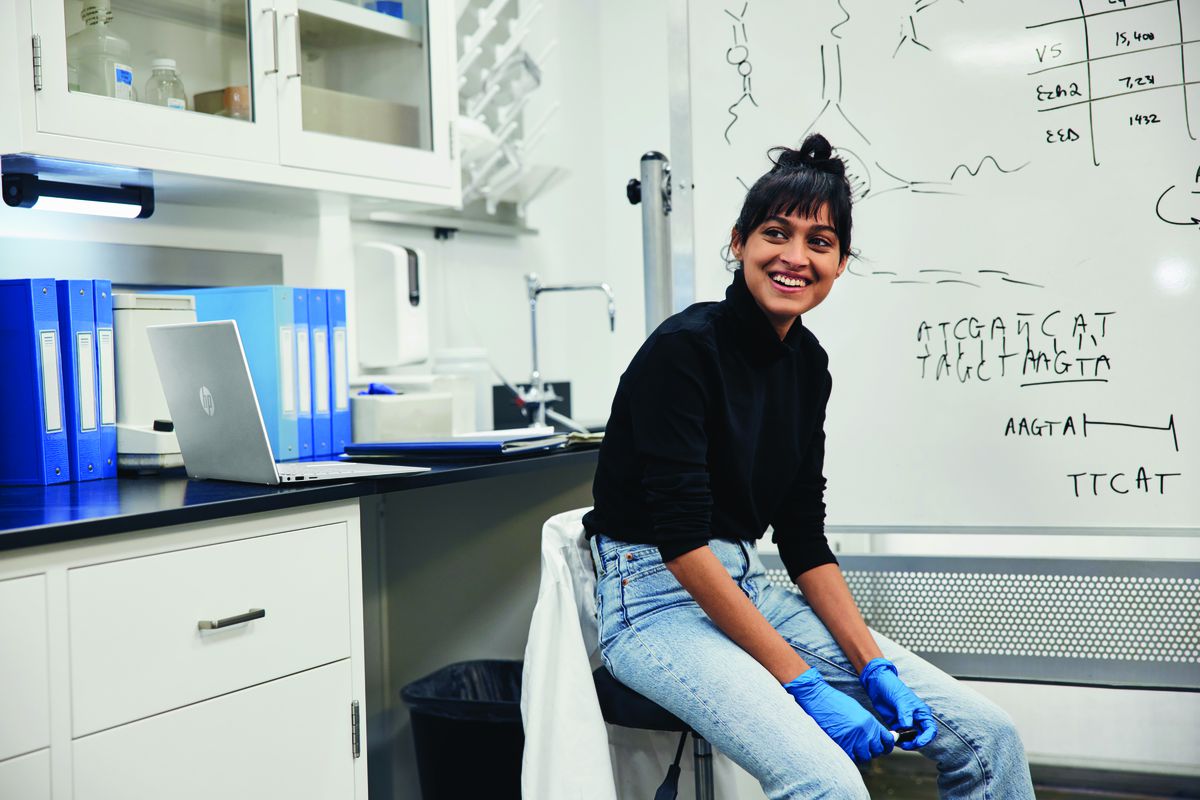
[(232, 101), (358, 117)]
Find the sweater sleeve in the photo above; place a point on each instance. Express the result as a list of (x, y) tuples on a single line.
[(799, 523), (668, 404)]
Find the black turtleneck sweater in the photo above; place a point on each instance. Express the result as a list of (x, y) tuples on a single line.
[(716, 432)]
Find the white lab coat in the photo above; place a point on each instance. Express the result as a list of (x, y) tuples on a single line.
[(570, 753)]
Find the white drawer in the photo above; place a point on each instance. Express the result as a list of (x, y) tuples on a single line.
[(24, 667), (289, 738), (136, 649), (26, 777)]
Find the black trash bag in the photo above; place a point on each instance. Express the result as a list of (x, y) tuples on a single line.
[(466, 721)]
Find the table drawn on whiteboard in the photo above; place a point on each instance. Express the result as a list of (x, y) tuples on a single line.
[(1115, 42), (970, 349)]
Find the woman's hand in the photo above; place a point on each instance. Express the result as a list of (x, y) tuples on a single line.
[(897, 703), (849, 725)]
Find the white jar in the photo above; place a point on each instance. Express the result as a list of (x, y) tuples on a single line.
[(470, 362), (165, 87)]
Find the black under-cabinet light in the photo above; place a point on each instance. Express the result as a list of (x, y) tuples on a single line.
[(22, 190)]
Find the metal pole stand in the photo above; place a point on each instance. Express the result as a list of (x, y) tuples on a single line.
[(702, 765)]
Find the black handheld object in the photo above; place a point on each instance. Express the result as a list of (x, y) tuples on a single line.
[(905, 734)]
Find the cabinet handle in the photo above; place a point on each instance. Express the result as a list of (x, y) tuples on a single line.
[(274, 40), (296, 29), (237, 619)]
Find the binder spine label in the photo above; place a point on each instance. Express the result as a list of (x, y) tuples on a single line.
[(341, 377), (85, 355), (51, 385), (287, 370), (108, 377), (304, 369), (320, 344)]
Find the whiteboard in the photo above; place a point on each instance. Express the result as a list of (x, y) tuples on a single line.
[(1019, 343)]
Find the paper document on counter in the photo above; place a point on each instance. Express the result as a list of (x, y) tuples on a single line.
[(502, 443)]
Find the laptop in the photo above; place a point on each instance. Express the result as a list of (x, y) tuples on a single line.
[(210, 395)]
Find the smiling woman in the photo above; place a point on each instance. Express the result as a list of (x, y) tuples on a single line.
[(716, 433), (792, 239), (790, 263)]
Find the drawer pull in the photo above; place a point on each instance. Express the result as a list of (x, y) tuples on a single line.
[(237, 619)]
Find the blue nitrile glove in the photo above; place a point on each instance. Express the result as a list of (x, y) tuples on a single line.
[(896, 703), (849, 725)]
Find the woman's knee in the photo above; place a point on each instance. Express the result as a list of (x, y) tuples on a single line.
[(840, 780), (994, 727), (1002, 741), (994, 745)]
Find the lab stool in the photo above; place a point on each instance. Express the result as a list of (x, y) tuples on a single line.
[(622, 706)]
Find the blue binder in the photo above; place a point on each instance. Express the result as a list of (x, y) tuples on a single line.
[(339, 403), (266, 317), (106, 375), (33, 435), (318, 324), (77, 317), (304, 417)]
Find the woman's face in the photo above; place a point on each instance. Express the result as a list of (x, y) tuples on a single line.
[(790, 264)]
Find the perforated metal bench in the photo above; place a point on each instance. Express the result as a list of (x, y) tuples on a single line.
[(1083, 622)]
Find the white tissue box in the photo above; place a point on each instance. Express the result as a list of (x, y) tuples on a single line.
[(461, 388), (392, 417)]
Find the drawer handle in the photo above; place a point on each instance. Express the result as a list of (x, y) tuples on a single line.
[(237, 619)]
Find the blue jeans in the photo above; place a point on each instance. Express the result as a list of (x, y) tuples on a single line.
[(655, 639)]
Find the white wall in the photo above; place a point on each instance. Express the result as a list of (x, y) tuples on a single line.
[(608, 75)]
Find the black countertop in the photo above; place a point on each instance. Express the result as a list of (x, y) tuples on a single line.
[(36, 515)]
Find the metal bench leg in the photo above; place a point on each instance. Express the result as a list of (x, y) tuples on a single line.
[(702, 759)]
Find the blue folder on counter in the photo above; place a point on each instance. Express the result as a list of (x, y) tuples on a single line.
[(318, 325), (265, 316), (468, 447), (106, 374), (33, 436), (77, 319), (304, 419), (340, 371)]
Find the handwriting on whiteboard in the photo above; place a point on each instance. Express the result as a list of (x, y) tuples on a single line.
[(1080, 425), (1142, 481), (738, 57), (1034, 348)]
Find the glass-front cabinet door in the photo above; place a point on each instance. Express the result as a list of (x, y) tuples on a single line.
[(197, 76), (366, 89)]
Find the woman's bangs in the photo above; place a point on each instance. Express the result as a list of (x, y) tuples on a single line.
[(803, 195)]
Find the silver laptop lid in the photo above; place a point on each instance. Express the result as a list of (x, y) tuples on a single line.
[(211, 398)]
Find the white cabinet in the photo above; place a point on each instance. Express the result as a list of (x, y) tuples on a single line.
[(317, 94), (351, 75), (24, 667), (26, 777), (136, 645), (287, 743), (221, 659)]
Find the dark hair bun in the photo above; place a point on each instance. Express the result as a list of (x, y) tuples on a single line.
[(815, 153)]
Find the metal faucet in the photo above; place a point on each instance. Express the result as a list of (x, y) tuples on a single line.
[(536, 394)]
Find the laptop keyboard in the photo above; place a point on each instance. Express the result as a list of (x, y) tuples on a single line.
[(309, 471)]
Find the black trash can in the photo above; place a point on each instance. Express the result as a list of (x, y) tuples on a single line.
[(466, 721)]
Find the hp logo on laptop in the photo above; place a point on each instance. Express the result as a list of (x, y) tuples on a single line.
[(206, 401)]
